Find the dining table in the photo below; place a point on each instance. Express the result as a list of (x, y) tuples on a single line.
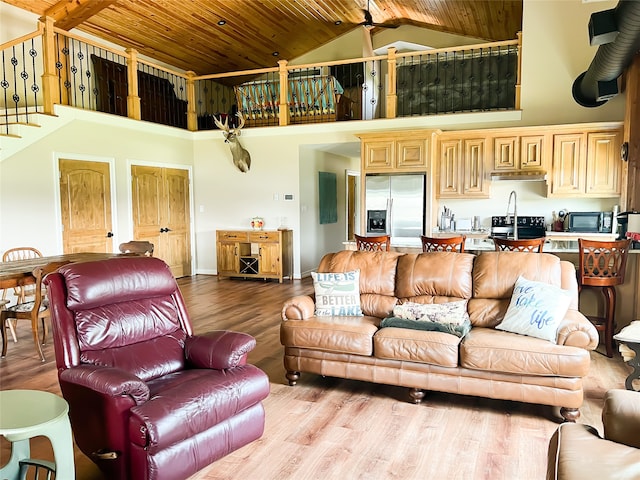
[(19, 272)]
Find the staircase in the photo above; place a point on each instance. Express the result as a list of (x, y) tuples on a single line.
[(21, 132)]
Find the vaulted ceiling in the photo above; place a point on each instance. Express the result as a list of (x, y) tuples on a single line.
[(212, 36)]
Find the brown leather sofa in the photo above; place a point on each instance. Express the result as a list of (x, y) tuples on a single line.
[(485, 362), (577, 451)]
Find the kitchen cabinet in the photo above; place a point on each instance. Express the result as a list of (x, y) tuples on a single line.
[(394, 152), (461, 168), (518, 152), (255, 253), (586, 164)]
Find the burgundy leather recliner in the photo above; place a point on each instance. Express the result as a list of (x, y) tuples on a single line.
[(147, 398)]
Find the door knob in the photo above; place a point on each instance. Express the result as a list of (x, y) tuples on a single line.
[(109, 234)]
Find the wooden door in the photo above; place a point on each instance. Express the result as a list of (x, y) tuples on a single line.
[(161, 214), (450, 169), (603, 164), (474, 158), (269, 263), (177, 221), (85, 205), (567, 171)]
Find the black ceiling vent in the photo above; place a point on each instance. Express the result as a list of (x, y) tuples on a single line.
[(620, 28)]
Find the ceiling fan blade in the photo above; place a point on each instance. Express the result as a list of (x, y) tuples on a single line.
[(384, 25)]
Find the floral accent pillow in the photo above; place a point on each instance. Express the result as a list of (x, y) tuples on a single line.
[(536, 309), (451, 312), (337, 293), (451, 317)]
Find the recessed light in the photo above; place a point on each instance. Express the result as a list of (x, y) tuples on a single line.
[(338, 22), (222, 22), (275, 54)]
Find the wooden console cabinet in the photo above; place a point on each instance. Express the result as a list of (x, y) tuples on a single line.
[(255, 253)]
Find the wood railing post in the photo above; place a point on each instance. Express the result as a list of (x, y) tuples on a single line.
[(192, 117), (519, 74), (133, 100), (283, 115), (50, 84), (392, 93)]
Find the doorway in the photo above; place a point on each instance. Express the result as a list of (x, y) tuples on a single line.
[(85, 205), (352, 204), (162, 214)]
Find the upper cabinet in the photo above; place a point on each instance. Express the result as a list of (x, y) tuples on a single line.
[(586, 162), (461, 166), (388, 152), (579, 160), (518, 152)]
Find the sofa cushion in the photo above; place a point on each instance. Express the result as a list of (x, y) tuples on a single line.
[(334, 334), (536, 309), (434, 277), (435, 348), (495, 274), (337, 293), (496, 351)]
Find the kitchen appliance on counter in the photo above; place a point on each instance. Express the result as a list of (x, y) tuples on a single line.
[(395, 205), (589, 222), (629, 222), (528, 227)]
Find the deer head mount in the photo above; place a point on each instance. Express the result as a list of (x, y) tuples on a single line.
[(241, 157)]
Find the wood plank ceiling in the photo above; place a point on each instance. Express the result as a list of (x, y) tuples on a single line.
[(187, 33)]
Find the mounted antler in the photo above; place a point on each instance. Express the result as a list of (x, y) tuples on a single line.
[(241, 157)]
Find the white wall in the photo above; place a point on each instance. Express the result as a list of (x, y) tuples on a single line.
[(29, 205), (555, 52)]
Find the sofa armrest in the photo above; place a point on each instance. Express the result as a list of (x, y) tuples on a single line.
[(219, 349), (108, 381), (300, 307), (576, 330), (621, 417)]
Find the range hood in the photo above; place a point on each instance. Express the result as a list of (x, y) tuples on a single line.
[(522, 176)]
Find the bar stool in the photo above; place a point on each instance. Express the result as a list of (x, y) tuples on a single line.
[(602, 265), (443, 244), (380, 243), (531, 245), (25, 414)]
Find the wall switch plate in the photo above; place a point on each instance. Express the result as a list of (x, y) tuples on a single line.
[(276, 196)]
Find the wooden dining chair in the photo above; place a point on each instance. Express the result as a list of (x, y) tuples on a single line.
[(21, 293), (36, 310), (22, 253), (443, 244), (602, 265), (380, 243), (137, 247), (532, 245)]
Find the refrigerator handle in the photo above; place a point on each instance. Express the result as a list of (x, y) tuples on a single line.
[(389, 215)]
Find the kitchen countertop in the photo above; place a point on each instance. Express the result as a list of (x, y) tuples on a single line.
[(557, 242)]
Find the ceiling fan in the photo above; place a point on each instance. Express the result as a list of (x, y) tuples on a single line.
[(367, 26), (368, 20)]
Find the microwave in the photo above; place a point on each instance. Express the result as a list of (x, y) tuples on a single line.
[(589, 222)]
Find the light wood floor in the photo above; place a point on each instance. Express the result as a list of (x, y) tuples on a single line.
[(327, 428)]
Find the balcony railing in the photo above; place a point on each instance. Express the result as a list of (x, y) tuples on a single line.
[(52, 66)]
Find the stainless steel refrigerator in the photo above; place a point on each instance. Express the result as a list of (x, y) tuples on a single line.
[(396, 205)]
